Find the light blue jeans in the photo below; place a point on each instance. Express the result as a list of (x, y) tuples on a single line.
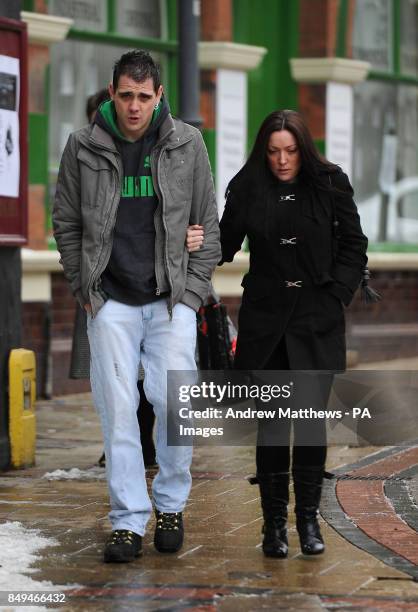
[(121, 337)]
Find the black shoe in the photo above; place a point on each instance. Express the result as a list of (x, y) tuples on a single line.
[(102, 461), (122, 546), (308, 486), (274, 491), (169, 531)]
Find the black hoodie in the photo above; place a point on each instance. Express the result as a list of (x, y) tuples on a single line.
[(130, 274)]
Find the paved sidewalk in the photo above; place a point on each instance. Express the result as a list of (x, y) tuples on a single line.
[(370, 530)]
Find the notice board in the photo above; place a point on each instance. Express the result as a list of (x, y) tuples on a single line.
[(13, 133)]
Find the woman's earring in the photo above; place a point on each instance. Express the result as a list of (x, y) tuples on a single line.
[(156, 106)]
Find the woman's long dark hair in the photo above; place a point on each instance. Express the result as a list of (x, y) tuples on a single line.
[(313, 163)]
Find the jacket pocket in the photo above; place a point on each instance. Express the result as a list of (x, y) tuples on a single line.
[(328, 314), (94, 162), (95, 179)]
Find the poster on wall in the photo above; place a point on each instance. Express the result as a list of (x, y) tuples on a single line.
[(9, 127), (231, 128)]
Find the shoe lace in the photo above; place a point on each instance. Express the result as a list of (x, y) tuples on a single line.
[(121, 536), (168, 521)]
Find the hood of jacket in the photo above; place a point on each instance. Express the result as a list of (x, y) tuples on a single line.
[(106, 118)]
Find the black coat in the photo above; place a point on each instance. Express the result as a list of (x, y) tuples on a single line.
[(307, 254)]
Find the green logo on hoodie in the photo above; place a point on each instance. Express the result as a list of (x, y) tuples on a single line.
[(137, 187)]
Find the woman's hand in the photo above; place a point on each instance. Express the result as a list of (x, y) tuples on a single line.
[(194, 237)]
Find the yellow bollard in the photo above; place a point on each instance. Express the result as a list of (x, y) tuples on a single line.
[(22, 395)]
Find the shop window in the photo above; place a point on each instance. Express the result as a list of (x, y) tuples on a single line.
[(140, 19), (72, 65), (385, 165), (87, 14), (409, 37), (372, 33), (133, 18)]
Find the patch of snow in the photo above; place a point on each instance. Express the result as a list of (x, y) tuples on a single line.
[(19, 548), (93, 473)]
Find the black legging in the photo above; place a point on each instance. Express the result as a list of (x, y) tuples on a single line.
[(271, 459)]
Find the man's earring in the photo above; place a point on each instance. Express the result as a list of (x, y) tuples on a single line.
[(156, 106)]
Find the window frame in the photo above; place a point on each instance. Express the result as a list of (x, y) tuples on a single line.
[(342, 43)]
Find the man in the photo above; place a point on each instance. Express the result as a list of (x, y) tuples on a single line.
[(80, 352), (128, 187)]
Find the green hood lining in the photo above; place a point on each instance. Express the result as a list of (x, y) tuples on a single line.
[(108, 112)]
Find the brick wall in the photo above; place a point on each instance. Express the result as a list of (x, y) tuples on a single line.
[(215, 25), (38, 59), (35, 326), (40, 6), (386, 329), (216, 20), (312, 105), (36, 218), (318, 21), (317, 28), (208, 98)]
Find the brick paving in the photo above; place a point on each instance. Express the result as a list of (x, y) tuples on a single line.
[(375, 508), (221, 566)]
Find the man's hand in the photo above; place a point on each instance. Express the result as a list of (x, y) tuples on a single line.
[(194, 238), (87, 308)]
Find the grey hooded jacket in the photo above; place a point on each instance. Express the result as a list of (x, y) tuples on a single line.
[(87, 198)]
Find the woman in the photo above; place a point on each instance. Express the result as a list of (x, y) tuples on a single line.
[(307, 256)]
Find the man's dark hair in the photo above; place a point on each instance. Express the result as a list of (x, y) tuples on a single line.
[(94, 101), (139, 66)]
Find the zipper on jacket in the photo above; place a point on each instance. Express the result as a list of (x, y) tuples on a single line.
[(157, 276), (170, 304), (93, 278)]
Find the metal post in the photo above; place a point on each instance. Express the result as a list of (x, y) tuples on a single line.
[(189, 85), (10, 9)]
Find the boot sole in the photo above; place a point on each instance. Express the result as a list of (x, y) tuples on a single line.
[(168, 550), (120, 559), (313, 553), (274, 555)]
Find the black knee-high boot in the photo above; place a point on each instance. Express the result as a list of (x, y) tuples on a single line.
[(274, 490), (308, 486)]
